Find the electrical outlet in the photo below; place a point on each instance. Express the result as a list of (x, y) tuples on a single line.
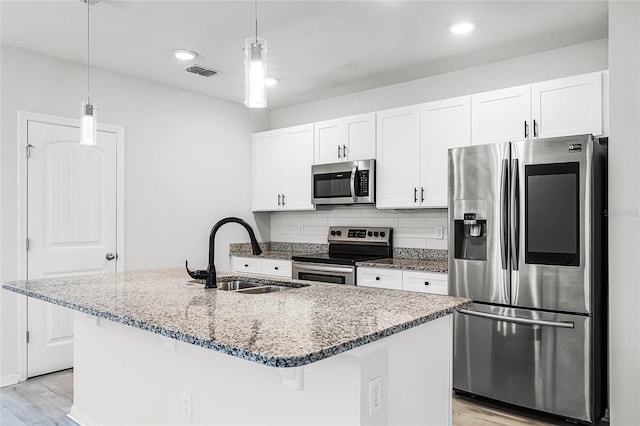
[(300, 229), (186, 405), (439, 232), (375, 395)]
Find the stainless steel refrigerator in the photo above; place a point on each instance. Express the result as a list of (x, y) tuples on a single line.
[(528, 244)]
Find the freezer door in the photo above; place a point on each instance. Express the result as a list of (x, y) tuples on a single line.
[(551, 224), (532, 359), (478, 223)]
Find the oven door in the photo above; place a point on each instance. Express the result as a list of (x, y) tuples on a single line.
[(335, 274)]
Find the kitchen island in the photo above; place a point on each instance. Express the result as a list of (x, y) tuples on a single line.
[(153, 347)]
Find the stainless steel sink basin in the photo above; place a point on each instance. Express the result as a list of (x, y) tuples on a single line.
[(236, 285), (264, 289)]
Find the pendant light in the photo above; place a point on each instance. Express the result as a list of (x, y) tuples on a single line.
[(88, 123), (255, 69)]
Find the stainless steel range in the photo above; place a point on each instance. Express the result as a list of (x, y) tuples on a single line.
[(347, 245)]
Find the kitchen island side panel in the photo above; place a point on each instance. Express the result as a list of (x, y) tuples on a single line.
[(124, 375)]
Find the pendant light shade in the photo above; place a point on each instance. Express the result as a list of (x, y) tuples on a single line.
[(88, 125), (255, 73), (88, 121)]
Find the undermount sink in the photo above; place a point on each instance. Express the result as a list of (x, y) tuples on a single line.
[(264, 289), (236, 285)]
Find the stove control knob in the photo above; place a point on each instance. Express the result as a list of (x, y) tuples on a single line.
[(338, 233), (382, 234), (375, 234), (333, 233), (369, 233)]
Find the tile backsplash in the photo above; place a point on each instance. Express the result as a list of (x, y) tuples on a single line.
[(411, 228)]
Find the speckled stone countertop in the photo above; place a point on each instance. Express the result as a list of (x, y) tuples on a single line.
[(281, 329), (409, 264), (276, 250)]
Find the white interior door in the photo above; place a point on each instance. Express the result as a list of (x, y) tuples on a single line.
[(71, 221)]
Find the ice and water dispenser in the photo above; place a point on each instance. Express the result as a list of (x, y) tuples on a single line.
[(470, 230)]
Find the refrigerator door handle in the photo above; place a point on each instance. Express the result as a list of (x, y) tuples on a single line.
[(515, 215), (504, 214), (517, 320)]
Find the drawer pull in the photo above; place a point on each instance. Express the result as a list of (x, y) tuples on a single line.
[(426, 283), (275, 267), (246, 265), (377, 278)]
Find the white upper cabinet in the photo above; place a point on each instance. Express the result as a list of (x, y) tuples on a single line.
[(445, 124), (567, 106), (345, 139), (282, 169), (501, 115), (398, 157)]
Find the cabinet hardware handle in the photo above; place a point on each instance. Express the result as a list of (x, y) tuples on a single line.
[(526, 129), (415, 195), (422, 194), (275, 267), (426, 283), (339, 155), (283, 199), (278, 199), (246, 265), (535, 129), (344, 151), (377, 278)]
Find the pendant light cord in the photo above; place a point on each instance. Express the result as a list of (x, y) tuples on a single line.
[(88, 57), (256, 13)]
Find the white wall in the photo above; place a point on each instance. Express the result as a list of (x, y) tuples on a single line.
[(187, 164), (572, 60), (624, 211), (411, 228)]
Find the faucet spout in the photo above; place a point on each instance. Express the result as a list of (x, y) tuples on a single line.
[(211, 278)]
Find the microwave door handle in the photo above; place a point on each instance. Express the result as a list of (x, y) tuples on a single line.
[(354, 171), (515, 215), (504, 214)]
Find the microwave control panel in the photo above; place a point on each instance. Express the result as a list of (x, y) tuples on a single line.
[(362, 183)]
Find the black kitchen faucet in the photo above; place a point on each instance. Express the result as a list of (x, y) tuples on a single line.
[(210, 274)]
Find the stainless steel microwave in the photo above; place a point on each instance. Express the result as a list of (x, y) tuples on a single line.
[(349, 182)]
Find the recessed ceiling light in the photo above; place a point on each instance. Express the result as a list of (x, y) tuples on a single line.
[(185, 55), (271, 81), (462, 27)]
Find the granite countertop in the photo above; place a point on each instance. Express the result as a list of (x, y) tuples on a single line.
[(281, 329), (424, 265), (275, 250)]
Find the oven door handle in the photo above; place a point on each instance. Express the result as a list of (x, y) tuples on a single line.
[(354, 171), (317, 268)]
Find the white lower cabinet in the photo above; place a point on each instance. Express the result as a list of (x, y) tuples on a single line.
[(398, 279), (261, 266), (380, 278), (425, 282)]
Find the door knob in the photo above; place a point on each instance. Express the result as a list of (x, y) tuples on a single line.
[(111, 256)]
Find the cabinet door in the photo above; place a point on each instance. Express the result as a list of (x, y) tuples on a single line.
[(380, 278), (329, 136), (360, 137), (398, 157), (501, 115), (276, 267), (266, 173), (568, 106), (445, 124), (250, 265), (295, 167), (425, 282)]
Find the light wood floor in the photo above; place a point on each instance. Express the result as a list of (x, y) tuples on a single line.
[(45, 400)]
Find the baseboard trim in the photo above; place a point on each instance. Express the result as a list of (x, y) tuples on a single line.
[(81, 418), (10, 379)]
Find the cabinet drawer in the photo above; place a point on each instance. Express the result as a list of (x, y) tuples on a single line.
[(246, 264), (277, 268), (425, 282), (381, 278)]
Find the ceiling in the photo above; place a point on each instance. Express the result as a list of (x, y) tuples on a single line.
[(317, 49)]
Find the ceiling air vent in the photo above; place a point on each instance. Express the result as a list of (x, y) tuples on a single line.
[(200, 70)]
